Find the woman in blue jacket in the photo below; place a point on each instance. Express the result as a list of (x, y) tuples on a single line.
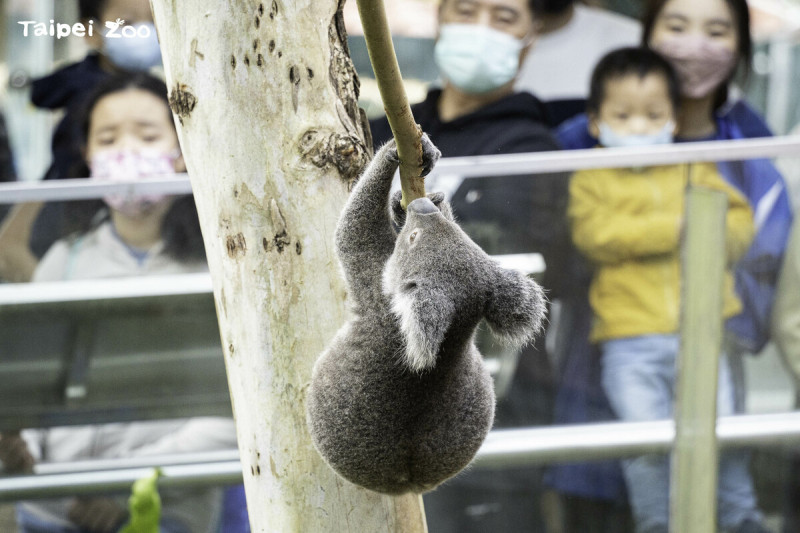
[(705, 41)]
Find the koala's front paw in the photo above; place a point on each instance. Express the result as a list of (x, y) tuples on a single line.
[(389, 151), (430, 155), (399, 214)]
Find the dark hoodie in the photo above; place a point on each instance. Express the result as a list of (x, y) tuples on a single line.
[(67, 89), (513, 124), (506, 214)]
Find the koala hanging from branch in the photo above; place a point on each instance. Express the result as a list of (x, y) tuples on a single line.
[(401, 401)]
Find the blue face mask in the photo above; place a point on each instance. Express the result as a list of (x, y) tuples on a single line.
[(476, 58), (611, 139), (134, 53)]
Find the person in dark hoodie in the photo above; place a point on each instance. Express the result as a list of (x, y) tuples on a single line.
[(480, 45), (67, 88)]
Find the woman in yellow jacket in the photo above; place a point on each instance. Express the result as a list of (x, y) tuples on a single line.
[(628, 222)]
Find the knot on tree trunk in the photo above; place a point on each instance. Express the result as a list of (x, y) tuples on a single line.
[(346, 152)]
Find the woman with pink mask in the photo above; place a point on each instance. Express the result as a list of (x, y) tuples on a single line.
[(127, 135), (707, 42)]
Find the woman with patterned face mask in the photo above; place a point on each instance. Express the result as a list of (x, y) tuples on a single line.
[(130, 137), (128, 133), (30, 229)]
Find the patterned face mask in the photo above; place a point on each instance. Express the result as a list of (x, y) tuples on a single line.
[(125, 165)]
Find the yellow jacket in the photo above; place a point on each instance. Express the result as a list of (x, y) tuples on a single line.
[(628, 222)]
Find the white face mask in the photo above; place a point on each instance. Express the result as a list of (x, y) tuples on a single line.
[(476, 58), (611, 139), (138, 52)]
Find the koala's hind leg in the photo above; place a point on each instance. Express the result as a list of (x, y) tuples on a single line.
[(458, 416)]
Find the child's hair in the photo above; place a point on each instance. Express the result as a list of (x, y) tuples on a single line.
[(90, 9), (630, 61), (181, 227)]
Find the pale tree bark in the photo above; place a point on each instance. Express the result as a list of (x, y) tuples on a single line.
[(265, 96)]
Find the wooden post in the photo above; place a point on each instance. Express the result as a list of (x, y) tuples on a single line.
[(694, 462), (265, 99)]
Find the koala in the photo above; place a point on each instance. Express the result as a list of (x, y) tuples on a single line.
[(401, 401)]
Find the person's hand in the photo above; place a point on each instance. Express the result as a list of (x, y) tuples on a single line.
[(14, 453), (97, 515), (17, 261)]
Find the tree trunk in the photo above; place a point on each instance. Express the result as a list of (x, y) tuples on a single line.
[(265, 96)]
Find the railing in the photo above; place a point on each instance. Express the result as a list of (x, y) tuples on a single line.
[(467, 167), (502, 449)]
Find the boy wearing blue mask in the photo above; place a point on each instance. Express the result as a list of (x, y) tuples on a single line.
[(633, 99), (628, 223)]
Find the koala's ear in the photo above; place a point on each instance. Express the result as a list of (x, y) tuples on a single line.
[(424, 320), (516, 309)]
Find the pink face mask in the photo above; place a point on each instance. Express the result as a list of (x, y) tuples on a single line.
[(123, 165), (702, 64)]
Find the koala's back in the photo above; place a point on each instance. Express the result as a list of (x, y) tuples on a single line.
[(391, 430)]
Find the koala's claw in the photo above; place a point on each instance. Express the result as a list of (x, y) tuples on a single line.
[(391, 151), (430, 155), (399, 214)]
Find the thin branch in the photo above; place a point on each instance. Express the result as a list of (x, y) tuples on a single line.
[(390, 83)]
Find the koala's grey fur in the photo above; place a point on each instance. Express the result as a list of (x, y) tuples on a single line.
[(401, 401)]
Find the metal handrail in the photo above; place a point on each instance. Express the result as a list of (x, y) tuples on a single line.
[(503, 448), (85, 189), (466, 167), (85, 290)]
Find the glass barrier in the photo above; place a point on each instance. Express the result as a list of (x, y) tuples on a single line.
[(111, 303), (601, 230)]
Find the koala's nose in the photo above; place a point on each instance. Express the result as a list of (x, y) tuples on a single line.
[(422, 206)]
